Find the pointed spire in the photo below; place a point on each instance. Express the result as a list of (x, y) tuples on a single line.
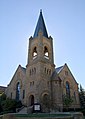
[(40, 26)]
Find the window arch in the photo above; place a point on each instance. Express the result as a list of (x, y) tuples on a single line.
[(18, 91), (67, 89), (46, 53), (34, 53)]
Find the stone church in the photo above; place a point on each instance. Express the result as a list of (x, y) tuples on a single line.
[(40, 77)]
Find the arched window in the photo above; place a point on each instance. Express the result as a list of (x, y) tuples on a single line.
[(18, 91), (74, 96), (34, 53), (30, 72), (46, 53), (45, 69), (67, 89), (34, 70), (49, 71), (23, 94)]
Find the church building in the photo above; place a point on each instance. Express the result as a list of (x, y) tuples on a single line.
[(40, 77)]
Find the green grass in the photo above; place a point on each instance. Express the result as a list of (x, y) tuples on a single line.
[(42, 115)]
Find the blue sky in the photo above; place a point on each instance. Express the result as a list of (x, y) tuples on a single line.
[(65, 22)]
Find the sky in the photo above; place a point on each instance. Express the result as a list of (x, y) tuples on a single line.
[(65, 22)]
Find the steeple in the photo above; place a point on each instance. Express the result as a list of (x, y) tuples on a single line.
[(40, 26)]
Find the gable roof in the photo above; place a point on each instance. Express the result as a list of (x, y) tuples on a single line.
[(59, 69), (19, 67), (40, 27)]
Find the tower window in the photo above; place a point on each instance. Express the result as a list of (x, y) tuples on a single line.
[(30, 72), (34, 53), (45, 69), (23, 94), (46, 54), (49, 71)]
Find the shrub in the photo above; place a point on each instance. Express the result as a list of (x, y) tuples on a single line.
[(10, 105), (83, 111), (2, 97)]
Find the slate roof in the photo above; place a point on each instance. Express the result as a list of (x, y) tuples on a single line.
[(59, 69), (40, 27), (24, 69)]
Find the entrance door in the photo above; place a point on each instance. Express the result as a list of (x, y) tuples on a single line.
[(31, 100)]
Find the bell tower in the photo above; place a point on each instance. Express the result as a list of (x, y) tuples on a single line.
[(40, 45), (40, 64)]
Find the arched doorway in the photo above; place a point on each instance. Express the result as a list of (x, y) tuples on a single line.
[(31, 99)]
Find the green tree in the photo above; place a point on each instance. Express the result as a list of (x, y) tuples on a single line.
[(7, 105), (1, 108), (48, 103), (82, 97), (10, 105), (2, 97), (67, 101)]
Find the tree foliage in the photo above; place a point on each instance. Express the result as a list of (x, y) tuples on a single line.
[(67, 101), (8, 105), (48, 103), (2, 97), (82, 97)]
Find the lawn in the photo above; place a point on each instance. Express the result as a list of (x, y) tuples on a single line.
[(39, 115)]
